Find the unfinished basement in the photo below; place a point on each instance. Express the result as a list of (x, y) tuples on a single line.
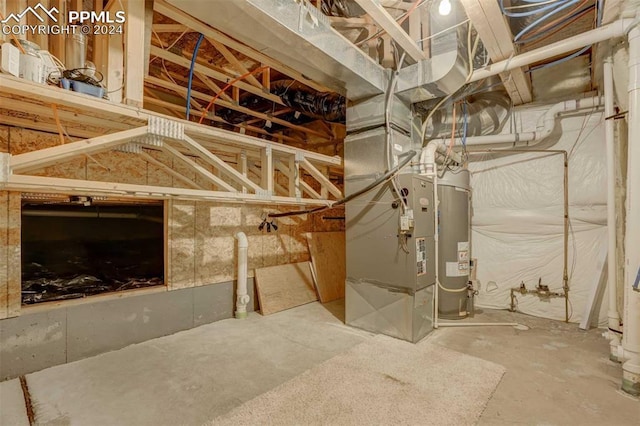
[(341, 212)]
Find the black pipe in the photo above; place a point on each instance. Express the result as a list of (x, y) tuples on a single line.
[(385, 177)]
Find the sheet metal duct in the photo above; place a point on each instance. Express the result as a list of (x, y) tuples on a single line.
[(282, 29), (446, 70)]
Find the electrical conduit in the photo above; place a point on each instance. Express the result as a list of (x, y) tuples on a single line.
[(193, 65), (241, 290)]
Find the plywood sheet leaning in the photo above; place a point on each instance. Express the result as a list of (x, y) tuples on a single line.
[(284, 287), (327, 251)]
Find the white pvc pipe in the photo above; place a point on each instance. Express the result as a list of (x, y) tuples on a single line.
[(609, 137), (241, 290), (436, 237), (631, 320), (477, 324), (606, 32)]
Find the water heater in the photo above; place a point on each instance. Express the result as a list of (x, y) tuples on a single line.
[(454, 250)]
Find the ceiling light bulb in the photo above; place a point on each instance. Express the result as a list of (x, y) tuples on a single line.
[(445, 7)]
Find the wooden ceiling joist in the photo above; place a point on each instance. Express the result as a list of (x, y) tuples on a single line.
[(381, 17), (205, 97), (496, 37), (235, 62), (186, 63)]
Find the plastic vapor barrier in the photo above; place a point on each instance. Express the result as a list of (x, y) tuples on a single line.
[(517, 225)]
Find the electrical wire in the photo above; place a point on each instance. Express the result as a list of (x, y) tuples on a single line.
[(532, 25), (193, 65), (546, 5), (465, 119), (524, 6), (54, 107), (389, 174), (543, 34), (444, 31), (169, 46), (229, 84), (399, 20)]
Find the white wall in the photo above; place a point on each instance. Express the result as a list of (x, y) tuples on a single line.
[(518, 217)]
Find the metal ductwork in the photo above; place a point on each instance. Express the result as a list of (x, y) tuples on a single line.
[(282, 29), (330, 59), (342, 8), (447, 68), (486, 112)]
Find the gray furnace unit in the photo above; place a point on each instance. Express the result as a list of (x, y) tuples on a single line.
[(390, 274)]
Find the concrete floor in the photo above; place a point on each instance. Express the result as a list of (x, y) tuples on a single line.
[(556, 374)]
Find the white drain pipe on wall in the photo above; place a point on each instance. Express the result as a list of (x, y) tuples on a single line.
[(631, 320), (241, 289), (612, 267)]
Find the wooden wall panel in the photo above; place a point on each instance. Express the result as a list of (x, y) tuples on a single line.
[(4, 252), (14, 274), (4, 139), (156, 176), (117, 166), (25, 140), (201, 248), (181, 244)]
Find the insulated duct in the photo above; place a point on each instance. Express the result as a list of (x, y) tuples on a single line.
[(308, 104), (324, 106), (342, 8)]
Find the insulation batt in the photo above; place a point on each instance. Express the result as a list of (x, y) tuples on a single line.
[(517, 225)]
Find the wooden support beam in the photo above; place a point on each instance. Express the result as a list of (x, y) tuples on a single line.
[(58, 154), (266, 78), (324, 181), (309, 190), (496, 36), (41, 40), (396, 32), (235, 62), (57, 41), (186, 63), (213, 86), (243, 167), (75, 186), (266, 166), (151, 98), (171, 172), (181, 17), (292, 171), (100, 48), (171, 28), (148, 25), (134, 59), (206, 174), (215, 161)]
